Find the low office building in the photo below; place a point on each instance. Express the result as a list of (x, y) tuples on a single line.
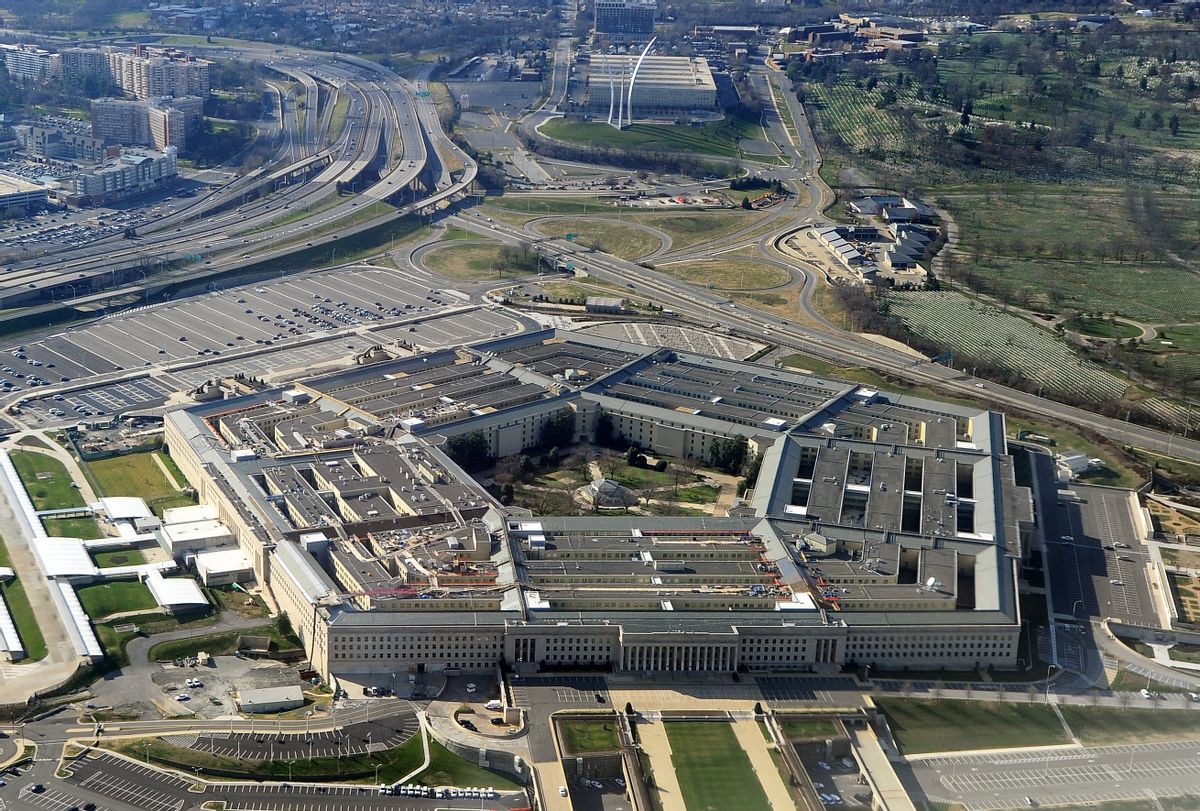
[(669, 87), (130, 174), (883, 529), (16, 192), (54, 144)]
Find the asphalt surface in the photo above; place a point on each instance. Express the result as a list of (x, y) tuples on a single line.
[(1071, 777)]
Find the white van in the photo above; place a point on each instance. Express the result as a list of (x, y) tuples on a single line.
[(495, 705)]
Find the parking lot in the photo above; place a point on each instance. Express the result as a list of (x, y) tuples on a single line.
[(560, 690), (786, 690), (385, 733), (204, 331), (1064, 777), (1095, 559), (99, 777)]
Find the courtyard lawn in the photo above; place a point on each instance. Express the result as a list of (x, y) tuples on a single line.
[(714, 771), (921, 725), (49, 485), (22, 613), (137, 474), (83, 528), (118, 557), (580, 736), (1107, 726), (102, 599)]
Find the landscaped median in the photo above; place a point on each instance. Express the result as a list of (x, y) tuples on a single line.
[(445, 768)]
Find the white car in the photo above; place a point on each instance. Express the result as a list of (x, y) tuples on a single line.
[(183, 697)]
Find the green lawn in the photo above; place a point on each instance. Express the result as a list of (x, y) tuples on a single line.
[(714, 771), (621, 239), (473, 262), (219, 644), (444, 767), (729, 273), (448, 769), (1105, 726), (118, 557), (1102, 327), (580, 736), (800, 727), (137, 474), (84, 528), (56, 490), (102, 599), (688, 228), (22, 613), (699, 494), (719, 139), (922, 725)]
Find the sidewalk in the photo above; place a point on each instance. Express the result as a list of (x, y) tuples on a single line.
[(757, 748), (653, 737)]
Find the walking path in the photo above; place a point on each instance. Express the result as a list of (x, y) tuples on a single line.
[(751, 739), (653, 737)]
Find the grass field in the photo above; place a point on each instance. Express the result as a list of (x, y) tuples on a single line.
[(1014, 243), (719, 139), (54, 492), (921, 725), (624, 240), (802, 728), (83, 528), (445, 768), (219, 644), (137, 474), (102, 599), (118, 557), (337, 119), (468, 262), (1102, 327), (714, 771), (581, 736), (22, 612), (733, 273), (688, 228), (978, 331), (1108, 726)]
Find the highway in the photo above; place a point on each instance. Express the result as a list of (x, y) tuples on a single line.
[(387, 127)]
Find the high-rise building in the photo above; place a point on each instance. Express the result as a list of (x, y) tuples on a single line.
[(158, 122), (625, 17), (145, 73), (27, 63)]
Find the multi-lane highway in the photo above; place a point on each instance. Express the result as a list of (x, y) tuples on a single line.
[(381, 153)]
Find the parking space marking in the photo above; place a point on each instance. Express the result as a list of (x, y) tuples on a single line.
[(130, 792)]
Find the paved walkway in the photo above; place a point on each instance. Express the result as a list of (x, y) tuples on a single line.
[(1162, 656), (751, 739), (653, 737), (56, 451)]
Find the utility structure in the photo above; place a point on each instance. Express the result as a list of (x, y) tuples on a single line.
[(620, 94)]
